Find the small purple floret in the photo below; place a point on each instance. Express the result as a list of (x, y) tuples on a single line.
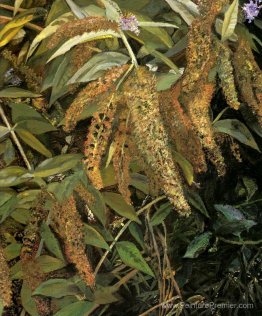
[(129, 23), (251, 9)]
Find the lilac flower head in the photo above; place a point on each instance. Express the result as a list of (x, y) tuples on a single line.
[(251, 9), (129, 23)]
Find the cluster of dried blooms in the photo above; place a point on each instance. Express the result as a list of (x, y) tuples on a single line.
[(69, 226), (136, 121)]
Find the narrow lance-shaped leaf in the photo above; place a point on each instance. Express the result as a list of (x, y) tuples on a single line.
[(85, 37), (132, 257), (198, 245), (230, 20)]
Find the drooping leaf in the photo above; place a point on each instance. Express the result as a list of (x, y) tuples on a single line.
[(33, 142), (97, 65), (238, 130), (137, 233), (57, 288), (161, 214), (132, 257), (14, 92), (165, 81), (11, 29), (48, 31), (230, 20), (92, 237), (49, 264), (186, 167), (198, 245), (3, 131), (85, 37), (105, 295), (179, 7), (195, 200), (51, 242), (57, 164), (13, 175), (119, 205), (77, 309), (28, 302), (12, 251)]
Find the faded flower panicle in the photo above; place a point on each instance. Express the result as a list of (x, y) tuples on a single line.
[(78, 27), (129, 23), (180, 129), (226, 76), (251, 9), (67, 222), (97, 140), (32, 80), (150, 136), (196, 92), (5, 281), (122, 157), (199, 113), (93, 91), (248, 78)]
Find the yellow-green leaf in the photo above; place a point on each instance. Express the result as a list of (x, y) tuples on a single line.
[(132, 257), (85, 37), (33, 142), (230, 20), (119, 205)]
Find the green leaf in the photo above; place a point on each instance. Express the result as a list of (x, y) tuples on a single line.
[(7, 208), (198, 245), (77, 309), (9, 153), (161, 214), (48, 31), (238, 130), (13, 175), (28, 302), (57, 164), (51, 241), (97, 65), (181, 7), (49, 264), (119, 205), (36, 127), (140, 182), (195, 200), (144, 21), (136, 232), (165, 81), (113, 12), (33, 142), (230, 21), (186, 167), (105, 295), (14, 92), (12, 251), (92, 237), (84, 37), (57, 288), (132, 257), (3, 131), (60, 78)]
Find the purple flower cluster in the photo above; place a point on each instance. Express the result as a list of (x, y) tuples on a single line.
[(251, 9), (129, 23)]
